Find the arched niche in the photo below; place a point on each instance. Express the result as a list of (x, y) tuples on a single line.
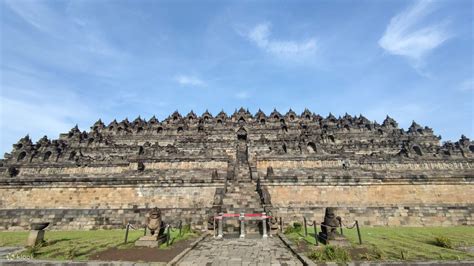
[(21, 156), (331, 138), (47, 155), (242, 134), (311, 147), (417, 150), (72, 155)]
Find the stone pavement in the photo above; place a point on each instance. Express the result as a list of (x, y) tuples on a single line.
[(235, 251)]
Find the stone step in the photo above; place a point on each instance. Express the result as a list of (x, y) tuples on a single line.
[(242, 204)]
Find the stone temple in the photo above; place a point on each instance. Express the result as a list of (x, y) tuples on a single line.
[(193, 167)]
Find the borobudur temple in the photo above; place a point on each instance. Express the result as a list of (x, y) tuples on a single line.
[(193, 167)]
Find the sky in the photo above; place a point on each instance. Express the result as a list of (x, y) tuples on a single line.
[(72, 62)]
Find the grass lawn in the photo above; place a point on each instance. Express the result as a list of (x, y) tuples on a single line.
[(79, 245), (405, 243)]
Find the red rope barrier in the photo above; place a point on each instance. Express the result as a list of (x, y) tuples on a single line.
[(245, 215)]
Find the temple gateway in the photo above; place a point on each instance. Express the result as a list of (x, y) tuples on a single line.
[(192, 167)]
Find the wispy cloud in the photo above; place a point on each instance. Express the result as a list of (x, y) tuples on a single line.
[(260, 35), (189, 81), (242, 95), (66, 41), (406, 35), (467, 85)]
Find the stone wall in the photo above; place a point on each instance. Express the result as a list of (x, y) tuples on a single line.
[(400, 215), (83, 206), (87, 219), (401, 204), (131, 168)]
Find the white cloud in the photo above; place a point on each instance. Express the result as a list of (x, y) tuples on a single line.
[(467, 85), (260, 35), (406, 36), (242, 95), (189, 80)]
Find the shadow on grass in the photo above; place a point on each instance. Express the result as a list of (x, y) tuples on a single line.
[(55, 241)]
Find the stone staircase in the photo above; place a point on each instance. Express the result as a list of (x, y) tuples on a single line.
[(241, 195)]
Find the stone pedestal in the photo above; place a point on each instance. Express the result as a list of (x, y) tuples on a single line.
[(336, 240), (150, 241), (35, 237)]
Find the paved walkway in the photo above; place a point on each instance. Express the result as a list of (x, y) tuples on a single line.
[(235, 251)]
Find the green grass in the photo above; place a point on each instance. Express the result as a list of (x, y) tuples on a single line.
[(79, 245), (405, 243), (330, 253)]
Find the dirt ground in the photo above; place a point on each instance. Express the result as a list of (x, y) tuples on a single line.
[(142, 253)]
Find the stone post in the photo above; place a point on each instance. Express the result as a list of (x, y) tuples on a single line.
[(264, 225), (220, 225), (242, 225), (35, 237)]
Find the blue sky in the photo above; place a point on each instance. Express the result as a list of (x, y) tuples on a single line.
[(68, 62)]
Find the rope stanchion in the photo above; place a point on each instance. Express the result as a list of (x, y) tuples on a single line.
[(127, 229), (358, 232), (167, 227), (341, 226), (281, 225), (315, 233), (214, 225), (305, 229), (266, 219), (126, 233)]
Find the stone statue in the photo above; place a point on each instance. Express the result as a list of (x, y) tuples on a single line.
[(154, 230), (330, 224), (153, 221)]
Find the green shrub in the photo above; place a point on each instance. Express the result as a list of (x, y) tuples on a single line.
[(295, 228), (186, 229), (330, 253), (444, 242)]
